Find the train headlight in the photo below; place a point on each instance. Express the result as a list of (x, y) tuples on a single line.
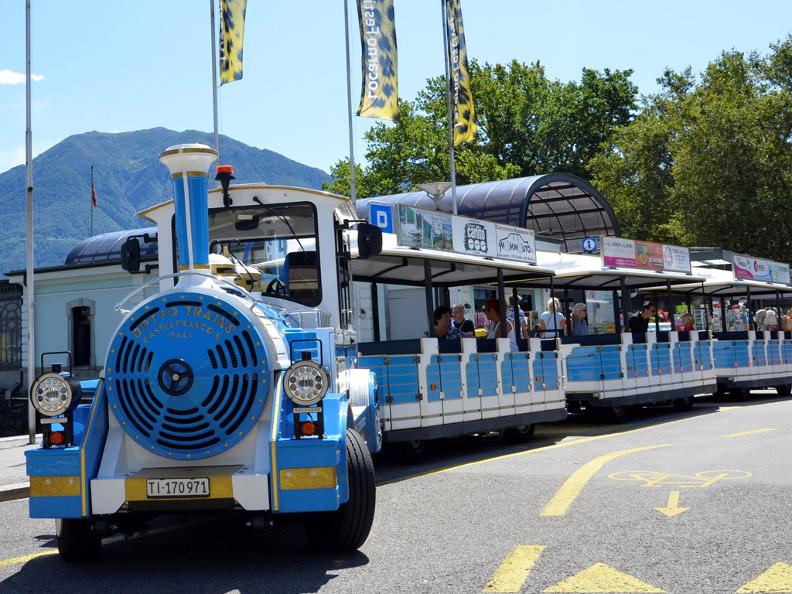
[(51, 395), (306, 383)]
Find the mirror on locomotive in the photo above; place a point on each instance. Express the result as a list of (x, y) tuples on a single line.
[(130, 255), (369, 240)]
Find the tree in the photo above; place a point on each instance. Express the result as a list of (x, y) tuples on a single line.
[(527, 125)]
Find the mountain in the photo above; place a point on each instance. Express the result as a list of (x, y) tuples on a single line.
[(128, 178)]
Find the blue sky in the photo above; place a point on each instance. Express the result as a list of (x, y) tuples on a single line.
[(126, 65)]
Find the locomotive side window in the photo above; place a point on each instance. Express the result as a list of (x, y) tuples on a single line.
[(274, 249)]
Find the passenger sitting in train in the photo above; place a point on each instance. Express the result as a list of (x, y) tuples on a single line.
[(459, 324), (771, 320), (688, 323), (442, 322), (492, 311), (640, 321), (552, 323), (579, 320)]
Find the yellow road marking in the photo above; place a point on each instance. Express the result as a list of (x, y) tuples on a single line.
[(754, 432), (26, 558), (778, 578), (700, 480), (602, 578), (566, 495), (672, 509), (513, 572)]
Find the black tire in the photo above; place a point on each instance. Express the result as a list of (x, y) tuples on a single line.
[(412, 452), (77, 541), (739, 394), (348, 528), (519, 434), (683, 404), (784, 389), (610, 414)]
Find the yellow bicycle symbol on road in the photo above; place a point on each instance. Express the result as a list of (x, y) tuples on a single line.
[(700, 480)]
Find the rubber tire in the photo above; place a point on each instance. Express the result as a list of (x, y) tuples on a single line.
[(610, 414), (784, 389), (740, 394), (519, 434), (412, 452), (683, 404), (77, 542), (348, 528)]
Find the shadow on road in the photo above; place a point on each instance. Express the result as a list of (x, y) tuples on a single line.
[(218, 556)]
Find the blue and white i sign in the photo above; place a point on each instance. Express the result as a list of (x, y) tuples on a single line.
[(381, 215), (590, 245)]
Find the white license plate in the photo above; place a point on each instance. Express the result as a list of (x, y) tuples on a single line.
[(184, 487)]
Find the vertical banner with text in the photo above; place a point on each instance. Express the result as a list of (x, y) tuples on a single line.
[(379, 60), (461, 92), (232, 37)]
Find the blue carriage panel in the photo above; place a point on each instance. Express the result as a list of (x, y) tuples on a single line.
[(773, 354), (661, 358), (610, 363), (683, 357), (488, 374), (434, 384), (550, 371), (521, 371), (380, 369), (741, 355), (786, 351), (507, 373), (637, 364), (583, 365), (472, 377), (702, 353), (451, 376), (724, 354), (403, 384), (759, 355), (538, 372)]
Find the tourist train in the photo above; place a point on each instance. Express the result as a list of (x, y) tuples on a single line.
[(237, 379)]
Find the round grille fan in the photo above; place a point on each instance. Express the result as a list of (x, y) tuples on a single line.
[(187, 375)]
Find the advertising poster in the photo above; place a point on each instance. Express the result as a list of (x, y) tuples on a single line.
[(648, 256), (618, 252), (436, 231), (514, 243), (474, 237), (410, 228), (749, 268), (676, 259)]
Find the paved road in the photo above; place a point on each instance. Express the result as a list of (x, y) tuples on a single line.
[(575, 511)]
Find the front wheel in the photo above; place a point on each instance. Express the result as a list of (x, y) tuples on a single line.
[(77, 540), (348, 528)]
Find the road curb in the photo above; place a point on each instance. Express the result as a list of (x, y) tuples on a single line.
[(14, 491)]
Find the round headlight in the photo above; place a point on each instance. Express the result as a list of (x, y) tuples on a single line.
[(51, 394), (305, 383)]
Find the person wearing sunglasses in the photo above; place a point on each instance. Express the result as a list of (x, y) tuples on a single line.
[(640, 321)]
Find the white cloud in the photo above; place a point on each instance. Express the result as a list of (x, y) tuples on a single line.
[(9, 77)]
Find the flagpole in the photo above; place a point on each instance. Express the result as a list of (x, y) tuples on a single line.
[(214, 79), (352, 172), (29, 281), (92, 202), (449, 107)]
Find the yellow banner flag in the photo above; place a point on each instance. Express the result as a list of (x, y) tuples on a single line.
[(379, 60), (232, 37), (461, 93)]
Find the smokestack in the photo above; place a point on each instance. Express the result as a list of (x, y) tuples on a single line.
[(189, 167)]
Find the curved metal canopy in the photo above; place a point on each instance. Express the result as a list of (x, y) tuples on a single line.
[(106, 248), (558, 205)]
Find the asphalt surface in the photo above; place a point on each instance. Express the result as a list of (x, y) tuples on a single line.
[(573, 511)]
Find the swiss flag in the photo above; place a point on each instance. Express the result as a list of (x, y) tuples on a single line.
[(93, 194)]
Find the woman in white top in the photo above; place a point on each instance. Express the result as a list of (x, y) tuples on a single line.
[(492, 311), (553, 322)]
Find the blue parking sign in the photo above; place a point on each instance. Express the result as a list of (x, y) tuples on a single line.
[(381, 215)]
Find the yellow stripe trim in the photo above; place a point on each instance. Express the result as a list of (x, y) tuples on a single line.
[(276, 404), (308, 478), (54, 486), (194, 267), (97, 400), (220, 487), (189, 174)]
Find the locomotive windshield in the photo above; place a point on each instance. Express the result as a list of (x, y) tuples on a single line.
[(273, 249)]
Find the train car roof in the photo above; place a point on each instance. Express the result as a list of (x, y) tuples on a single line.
[(401, 265)]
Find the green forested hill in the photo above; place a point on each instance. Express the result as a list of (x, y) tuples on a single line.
[(128, 178)]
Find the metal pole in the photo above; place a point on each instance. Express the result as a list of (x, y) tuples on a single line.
[(626, 303), (516, 308), (616, 308), (375, 320), (723, 313), (214, 78), (751, 321), (429, 296), (707, 308), (352, 172), (449, 107), (670, 305), (567, 315), (29, 280), (552, 309), (657, 314), (502, 329)]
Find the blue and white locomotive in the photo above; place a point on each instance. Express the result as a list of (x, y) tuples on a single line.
[(211, 399)]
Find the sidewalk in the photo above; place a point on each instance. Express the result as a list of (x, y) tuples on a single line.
[(13, 480)]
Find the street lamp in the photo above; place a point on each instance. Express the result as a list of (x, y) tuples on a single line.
[(436, 191)]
